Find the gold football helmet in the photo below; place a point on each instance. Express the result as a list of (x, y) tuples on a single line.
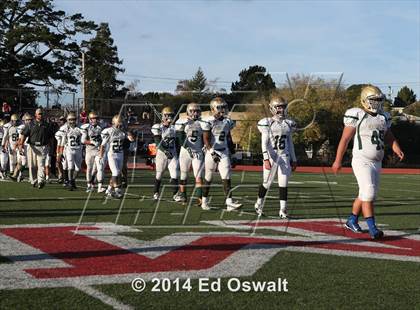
[(27, 117), (167, 115), (193, 111), (218, 107), (372, 98), (14, 118), (278, 106), (1, 122), (71, 119), (93, 118), (117, 121)]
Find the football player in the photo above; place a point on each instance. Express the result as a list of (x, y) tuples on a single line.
[(166, 156), (114, 140), (10, 141), (278, 153), (219, 148), (91, 137), (370, 128), (21, 149), (60, 162), (71, 141), (3, 153), (190, 138)]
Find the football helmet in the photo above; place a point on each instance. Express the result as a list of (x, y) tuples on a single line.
[(278, 107), (27, 117), (218, 107), (14, 118), (117, 121), (71, 119), (93, 118), (167, 115), (372, 98), (193, 111), (1, 123)]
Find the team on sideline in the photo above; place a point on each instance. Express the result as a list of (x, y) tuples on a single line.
[(205, 145)]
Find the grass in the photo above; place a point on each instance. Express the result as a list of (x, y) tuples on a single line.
[(315, 280)]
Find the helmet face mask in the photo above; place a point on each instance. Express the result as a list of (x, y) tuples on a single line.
[(372, 99), (167, 116), (278, 107), (27, 118), (218, 107), (93, 118), (71, 120), (193, 111)]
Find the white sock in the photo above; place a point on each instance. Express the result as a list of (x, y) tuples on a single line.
[(260, 201), (204, 200), (228, 200), (283, 204)]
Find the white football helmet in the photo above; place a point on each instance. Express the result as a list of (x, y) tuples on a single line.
[(27, 118), (372, 98), (278, 107), (71, 119), (193, 111), (218, 107)]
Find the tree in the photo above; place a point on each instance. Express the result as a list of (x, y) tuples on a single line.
[(252, 81), (37, 44), (405, 97), (197, 84), (102, 65)]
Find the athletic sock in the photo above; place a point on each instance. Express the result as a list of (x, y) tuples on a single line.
[(156, 186), (353, 218), (175, 186), (371, 223), (206, 188), (261, 192), (226, 187), (199, 192)]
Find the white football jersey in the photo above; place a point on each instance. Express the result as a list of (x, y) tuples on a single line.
[(60, 134), (193, 131), (370, 132), (12, 135), (220, 129), (1, 135), (92, 133), (73, 138), (113, 138), (279, 134), (20, 130), (168, 135), (5, 133)]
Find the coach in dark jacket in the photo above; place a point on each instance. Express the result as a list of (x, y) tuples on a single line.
[(40, 135)]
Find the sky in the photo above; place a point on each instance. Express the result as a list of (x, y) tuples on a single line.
[(369, 41)]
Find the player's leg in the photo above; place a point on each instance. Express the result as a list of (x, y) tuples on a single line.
[(185, 162), (198, 170), (41, 155), (12, 161), (90, 162), (161, 164), (367, 175), (47, 167), (173, 167), (210, 168), (4, 157), (78, 159), (65, 168), (116, 175), (284, 172), (100, 167), (225, 171), (70, 159), (32, 165), (268, 177)]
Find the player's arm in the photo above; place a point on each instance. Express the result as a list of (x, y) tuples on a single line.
[(85, 139), (207, 139), (231, 145), (5, 140), (292, 151), (348, 134), (390, 140)]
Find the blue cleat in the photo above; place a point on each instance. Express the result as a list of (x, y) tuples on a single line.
[(353, 226), (376, 234)]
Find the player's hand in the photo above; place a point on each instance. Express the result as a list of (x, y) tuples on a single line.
[(267, 165), (169, 155), (216, 157), (399, 153), (336, 167), (294, 165)]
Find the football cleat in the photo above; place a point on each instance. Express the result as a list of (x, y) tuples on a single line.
[(258, 209), (41, 185), (283, 214), (156, 196), (177, 197), (205, 205), (353, 226), (232, 205), (117, 194), (376, 234), (100, 188)]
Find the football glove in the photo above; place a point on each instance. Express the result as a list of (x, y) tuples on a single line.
[(168, 154), (216, 157)]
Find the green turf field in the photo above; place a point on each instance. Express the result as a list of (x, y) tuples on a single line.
[(320, 280)]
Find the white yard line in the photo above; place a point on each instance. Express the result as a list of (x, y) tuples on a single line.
[(89, 290)]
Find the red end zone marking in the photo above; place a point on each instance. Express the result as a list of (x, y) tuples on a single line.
[(407, 247)]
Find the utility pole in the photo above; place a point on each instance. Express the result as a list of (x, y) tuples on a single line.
[(83, 82)]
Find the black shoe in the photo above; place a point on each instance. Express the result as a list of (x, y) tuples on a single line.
[(60, 181), (41, 185), (35, 184), (13, 178)]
